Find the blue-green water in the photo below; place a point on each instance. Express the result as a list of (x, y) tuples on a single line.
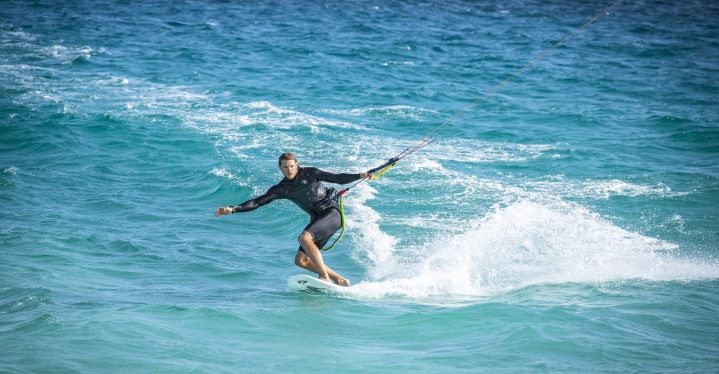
[(567, 224)]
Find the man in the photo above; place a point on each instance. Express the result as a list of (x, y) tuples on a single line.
[(302, 186)]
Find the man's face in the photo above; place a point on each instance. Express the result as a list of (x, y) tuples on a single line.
[(289, 168)]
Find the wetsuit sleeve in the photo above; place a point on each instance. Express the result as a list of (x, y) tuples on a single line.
[(257, 202), (340, 178)]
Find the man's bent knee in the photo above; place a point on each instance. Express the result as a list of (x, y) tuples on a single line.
[(305, 237)]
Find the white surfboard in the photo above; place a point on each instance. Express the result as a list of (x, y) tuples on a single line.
[(307, 283)]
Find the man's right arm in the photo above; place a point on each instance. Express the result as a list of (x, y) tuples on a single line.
[(255, 203), (249, 205)]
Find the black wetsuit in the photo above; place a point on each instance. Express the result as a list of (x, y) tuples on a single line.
[(307, 191)]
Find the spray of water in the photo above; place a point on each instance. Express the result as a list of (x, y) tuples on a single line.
[(523, 244)]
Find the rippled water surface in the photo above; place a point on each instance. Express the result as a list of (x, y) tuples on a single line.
[(568, 223)]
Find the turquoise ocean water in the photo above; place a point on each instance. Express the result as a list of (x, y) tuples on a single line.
[(567, 224)]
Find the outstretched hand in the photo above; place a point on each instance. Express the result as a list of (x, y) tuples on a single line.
[(366, 175), (223, 210)]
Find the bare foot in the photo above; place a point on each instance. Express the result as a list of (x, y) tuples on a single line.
[(326, 278), (341, 281)]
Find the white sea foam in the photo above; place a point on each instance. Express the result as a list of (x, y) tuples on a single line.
[(11, 170), (111, 80), (523, 244), (230, 122), (369, 235), (286, 118), (224, 173), (598, 189), (24, 71), (392, 63), (390, 111), (15, 35), (478, 151), (240, 150), (68, 54)]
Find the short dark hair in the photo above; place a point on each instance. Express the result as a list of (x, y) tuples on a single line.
[(287, 156)]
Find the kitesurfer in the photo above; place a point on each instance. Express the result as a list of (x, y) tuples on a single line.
[(302, 186)]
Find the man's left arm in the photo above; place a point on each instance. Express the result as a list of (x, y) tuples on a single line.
[(338, 178)]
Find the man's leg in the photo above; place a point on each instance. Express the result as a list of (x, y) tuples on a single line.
[(308, 244), (320, 228), (304, 261)]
